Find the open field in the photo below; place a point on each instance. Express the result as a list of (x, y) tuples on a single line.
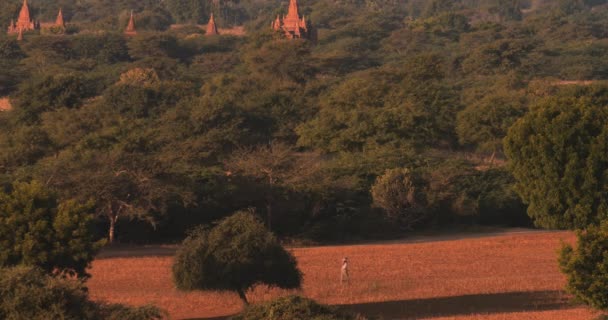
[(511, 276)]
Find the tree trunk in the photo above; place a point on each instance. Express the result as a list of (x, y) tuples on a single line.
[(242, 296), (269, 214), (112, 229)]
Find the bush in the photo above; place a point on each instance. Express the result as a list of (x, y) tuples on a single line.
[(587, 266), (28, 293), (399, 193), (293, 308), (235, 255)]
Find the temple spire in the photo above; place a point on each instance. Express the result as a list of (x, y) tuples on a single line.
[(211, 27), (131, 26), (24, 14), (293, 11), (59, 22)]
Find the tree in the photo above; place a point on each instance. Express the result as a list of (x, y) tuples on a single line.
[(122, 183), (37, 230), (586, 267), (507, 9), (274, 166), (400, 193), (50, 93), (558, 154), (235, 255), (435, 7), (484, 124)]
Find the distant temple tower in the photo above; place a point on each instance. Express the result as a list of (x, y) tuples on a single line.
[(130, 31), (24, 22), (59, 22), (292, 25), (211, 27)]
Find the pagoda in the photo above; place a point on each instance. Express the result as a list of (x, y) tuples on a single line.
[(130, 30), (24, 22), (292, 25), (211, 27), (59, 22)]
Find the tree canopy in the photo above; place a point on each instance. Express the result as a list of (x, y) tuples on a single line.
[(558, 156), (235, 255), (37, 230)]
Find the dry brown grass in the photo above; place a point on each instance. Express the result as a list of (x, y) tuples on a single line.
[(500, 277)]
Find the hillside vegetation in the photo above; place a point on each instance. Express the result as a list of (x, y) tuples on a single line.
[(170, 129)]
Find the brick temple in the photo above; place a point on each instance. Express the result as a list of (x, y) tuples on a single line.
[(292, 25), (26, 23)]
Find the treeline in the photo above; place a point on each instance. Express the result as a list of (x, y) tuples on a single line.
[(167, 130)]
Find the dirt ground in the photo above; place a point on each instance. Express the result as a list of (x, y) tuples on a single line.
[(498, 275)]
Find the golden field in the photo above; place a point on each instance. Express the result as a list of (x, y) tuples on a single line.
[(504, 276)]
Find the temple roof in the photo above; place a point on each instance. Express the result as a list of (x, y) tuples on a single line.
[(24, 14)]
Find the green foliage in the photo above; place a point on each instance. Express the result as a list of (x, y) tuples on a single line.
[(295, 308), (558, 156), (153, 45), (507, 9), (235, 255), (26, 293), (586, 266), (400, 192), (435, 7), (50, 93), (485, 123), (10, 50), (36, 230), (188, 10)]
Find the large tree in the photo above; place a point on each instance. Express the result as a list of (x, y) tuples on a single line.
[(37, 230), (235, 255), (400, 193), (123, 184), (274, 167), (559, 156)]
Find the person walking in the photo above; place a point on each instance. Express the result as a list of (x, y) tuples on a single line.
[(344, 277)]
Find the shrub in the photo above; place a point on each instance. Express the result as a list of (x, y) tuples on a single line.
[(587, 266), (293, 308), (28, 293), (235, 255), (399, 193)]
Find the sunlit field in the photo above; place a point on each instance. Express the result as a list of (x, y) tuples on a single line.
[(511, 276)]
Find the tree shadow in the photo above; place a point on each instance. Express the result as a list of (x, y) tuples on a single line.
[(459, 305), (464, 305)]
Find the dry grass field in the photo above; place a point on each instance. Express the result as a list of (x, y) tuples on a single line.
[(510, 276)]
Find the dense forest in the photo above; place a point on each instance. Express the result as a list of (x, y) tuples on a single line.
[(393, 120)]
